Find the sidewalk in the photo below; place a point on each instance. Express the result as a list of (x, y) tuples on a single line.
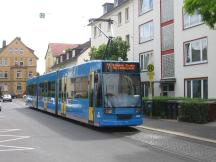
[(203, 132)]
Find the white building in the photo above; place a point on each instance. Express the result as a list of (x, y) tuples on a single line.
[(180, 46), (121, 12)]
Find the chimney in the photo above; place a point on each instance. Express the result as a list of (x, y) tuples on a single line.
[(19, 38), (107, 7), (4, 43)]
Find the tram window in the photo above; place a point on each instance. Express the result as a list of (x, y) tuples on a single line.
[(60, 88), (51, 89), (99, 95), (81, 87)]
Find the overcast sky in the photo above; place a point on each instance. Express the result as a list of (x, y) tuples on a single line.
[(65, 22)]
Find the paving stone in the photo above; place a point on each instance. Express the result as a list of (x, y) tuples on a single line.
[(182, 147)]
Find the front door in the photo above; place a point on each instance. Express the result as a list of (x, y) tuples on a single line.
[(63, 96), (91, 98)]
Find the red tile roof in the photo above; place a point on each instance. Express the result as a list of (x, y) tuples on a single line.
[(58, 48)]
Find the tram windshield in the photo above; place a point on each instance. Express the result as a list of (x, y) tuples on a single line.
[(121, 90)]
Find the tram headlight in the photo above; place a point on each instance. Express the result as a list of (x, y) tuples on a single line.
[(138, 110), (108, 110)]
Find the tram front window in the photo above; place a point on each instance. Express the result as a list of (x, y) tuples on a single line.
[(121, 90)]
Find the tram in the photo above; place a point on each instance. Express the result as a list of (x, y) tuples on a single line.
[(99, 93)]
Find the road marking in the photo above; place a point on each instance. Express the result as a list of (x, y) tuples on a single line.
[(179, 134), (13, 139), (9, 138), (8, 130), (15, 148)]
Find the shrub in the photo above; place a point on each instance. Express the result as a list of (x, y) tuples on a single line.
[(195, 111)]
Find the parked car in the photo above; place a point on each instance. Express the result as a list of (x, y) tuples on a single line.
[(7, 97), (0, 105)]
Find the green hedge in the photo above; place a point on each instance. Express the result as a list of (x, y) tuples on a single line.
[(185, 109), (161, 107), (193, 111)]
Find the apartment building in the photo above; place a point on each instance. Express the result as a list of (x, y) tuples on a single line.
[(180, 46), (195, 55), (73, 56), (53, 51), (121, 12), (17, 64)]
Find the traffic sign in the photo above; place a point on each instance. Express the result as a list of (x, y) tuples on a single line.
[(150, 68), (150, 76)]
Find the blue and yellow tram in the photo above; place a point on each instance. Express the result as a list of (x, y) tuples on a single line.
[(100, 93)]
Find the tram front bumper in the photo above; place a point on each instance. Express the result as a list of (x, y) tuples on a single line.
[(120, 123)]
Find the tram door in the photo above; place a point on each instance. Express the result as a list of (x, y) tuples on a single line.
[(91, 98), (63, 95)]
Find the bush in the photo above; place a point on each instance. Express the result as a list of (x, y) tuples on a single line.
[(185, 109), (161, 107), (195, 111)]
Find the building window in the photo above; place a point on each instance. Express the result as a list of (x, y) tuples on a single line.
[(168, 90), (196, 51), (19, 74), (168, 66), (146, 32), (145, 6), (61, 58), (3, 62), (5, 87), (192, 20), (95, 32), (67, 56), (119, 18), (197, 88), (30, 74), (21, 63), (127, 39), (73, 53), (145, 87), (57, 60), (6, 74), (30, 62), (20, 51), (10, 50), (126, 14), (19, 87), (144, 60), (1, 74)]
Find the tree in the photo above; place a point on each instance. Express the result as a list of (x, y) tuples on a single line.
[(118, 48), (207, 9)]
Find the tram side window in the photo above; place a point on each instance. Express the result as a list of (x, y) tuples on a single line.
[(60, 87), (81, 87), (51, 89), (43, 89), (98, 93), (70, 88), (32, 90)]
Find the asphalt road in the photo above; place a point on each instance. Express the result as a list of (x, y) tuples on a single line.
[(27, 135)]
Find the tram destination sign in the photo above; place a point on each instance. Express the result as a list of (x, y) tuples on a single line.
[(120, 67)]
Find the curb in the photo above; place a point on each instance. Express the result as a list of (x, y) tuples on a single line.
[(179, 134)]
